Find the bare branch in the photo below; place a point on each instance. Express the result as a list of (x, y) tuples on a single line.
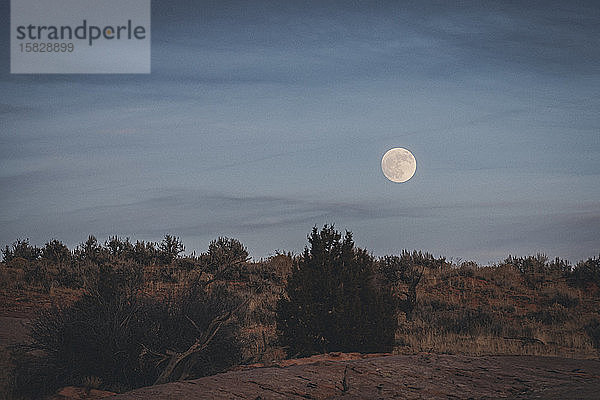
[(201, 343)]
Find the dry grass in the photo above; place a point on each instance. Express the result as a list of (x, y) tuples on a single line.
[(491, 345), (492, 310)]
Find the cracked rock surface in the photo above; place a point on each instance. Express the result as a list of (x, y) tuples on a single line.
[(420, 376)]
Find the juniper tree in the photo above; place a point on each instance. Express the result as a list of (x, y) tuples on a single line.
[(333, 304)]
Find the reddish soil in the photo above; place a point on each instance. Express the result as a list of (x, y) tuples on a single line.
[(421, 376)]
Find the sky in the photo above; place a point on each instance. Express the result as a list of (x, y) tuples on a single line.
[(263, 119)]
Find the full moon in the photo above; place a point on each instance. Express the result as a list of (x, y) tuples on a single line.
[(398, 165)]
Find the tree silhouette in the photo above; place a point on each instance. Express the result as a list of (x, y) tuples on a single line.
[(333, 304), (56, 252), (170, 248), (225, 257), (90, 250)]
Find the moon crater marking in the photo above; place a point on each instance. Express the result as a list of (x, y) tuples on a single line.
[(398, 165)]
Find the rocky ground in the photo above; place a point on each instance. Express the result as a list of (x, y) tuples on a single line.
[(421, 376)]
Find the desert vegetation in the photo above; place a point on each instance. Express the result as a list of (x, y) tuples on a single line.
[(117, 315)]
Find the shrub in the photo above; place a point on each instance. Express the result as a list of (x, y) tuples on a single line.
[(586, 272), (36, 273), (124, 338), (169, 249), (21, 249), (90, 251), (185, 322), (56, 252), (556, 314), (145, 253), (70, 278), (537, 269), (408, 269), (186, 263), (564, 298), (333, 304), (224, 253), (119, 248)]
